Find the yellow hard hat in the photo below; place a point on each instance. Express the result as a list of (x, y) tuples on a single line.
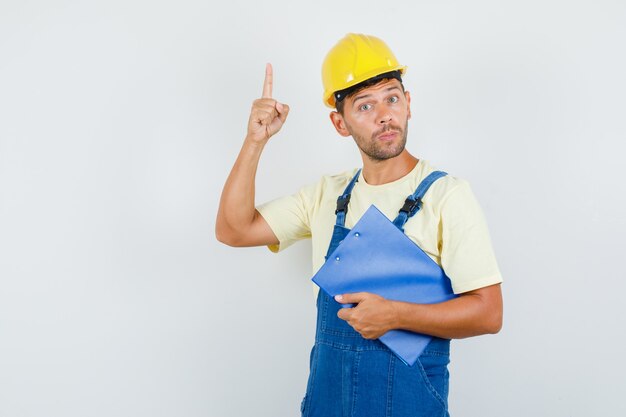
[(355, 58)]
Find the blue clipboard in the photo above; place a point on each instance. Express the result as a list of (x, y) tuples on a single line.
[(378, 257)]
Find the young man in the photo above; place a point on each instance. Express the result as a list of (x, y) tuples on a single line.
[(351, 371)]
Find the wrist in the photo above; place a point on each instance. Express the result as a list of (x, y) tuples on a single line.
[(396, 320), (254, 144)]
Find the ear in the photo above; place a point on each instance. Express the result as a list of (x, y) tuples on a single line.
[(340, 125), (408, 103)]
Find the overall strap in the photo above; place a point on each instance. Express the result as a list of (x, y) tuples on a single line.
[(344, 199), (413, 203)]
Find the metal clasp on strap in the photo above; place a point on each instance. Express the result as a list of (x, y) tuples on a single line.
[(342, 203), (411, 206)]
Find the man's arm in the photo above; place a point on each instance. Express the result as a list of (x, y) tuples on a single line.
[(471, 314), (238, 222)]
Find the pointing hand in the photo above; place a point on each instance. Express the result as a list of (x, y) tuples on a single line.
[(267, 115)]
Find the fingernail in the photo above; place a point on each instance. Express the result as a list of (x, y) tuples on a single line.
[(338, 297), (279, 107)]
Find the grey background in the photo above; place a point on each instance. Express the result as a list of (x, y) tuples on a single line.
[(120, 120)]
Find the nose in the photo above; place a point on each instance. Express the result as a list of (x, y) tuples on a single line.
[(384, 116)]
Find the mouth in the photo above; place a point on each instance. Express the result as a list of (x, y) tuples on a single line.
[(387, 136)]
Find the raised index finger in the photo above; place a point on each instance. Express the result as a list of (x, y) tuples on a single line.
[(269, 81)]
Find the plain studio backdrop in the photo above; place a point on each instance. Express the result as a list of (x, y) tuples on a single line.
[(120, 121)]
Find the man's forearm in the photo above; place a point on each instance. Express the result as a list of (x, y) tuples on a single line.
[(472, 314), (237, 209)]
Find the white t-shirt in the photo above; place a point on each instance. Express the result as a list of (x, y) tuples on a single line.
[(450, 227)]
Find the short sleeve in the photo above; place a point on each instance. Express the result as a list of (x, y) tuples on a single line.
[(288, 217), (467, 254)]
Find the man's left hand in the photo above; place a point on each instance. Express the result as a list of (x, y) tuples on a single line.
[(372, 317)]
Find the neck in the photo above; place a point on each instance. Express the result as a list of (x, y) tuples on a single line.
[(383, 172)]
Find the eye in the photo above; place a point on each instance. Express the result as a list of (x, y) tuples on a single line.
[(365, 107), (394, 99)]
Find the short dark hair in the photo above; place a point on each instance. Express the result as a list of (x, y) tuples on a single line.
[(341, 95)]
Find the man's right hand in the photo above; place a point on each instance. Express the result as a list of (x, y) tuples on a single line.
[(267, 115)]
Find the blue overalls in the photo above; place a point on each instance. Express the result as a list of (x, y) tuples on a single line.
[(351, 376)]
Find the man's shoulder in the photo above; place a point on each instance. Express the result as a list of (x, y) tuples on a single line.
[(327, 187), (335, 182), (345, 175), (444, 186)]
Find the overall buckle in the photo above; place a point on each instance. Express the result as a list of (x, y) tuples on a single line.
[(411, 206), (342, 203)]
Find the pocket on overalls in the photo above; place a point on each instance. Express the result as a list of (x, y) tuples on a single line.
[(434, 369)]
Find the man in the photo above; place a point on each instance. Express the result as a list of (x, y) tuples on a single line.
[(351, 371)]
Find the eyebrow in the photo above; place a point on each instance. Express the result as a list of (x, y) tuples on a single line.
[(395, 87)]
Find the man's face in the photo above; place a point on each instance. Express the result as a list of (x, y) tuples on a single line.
[(377, 119)]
